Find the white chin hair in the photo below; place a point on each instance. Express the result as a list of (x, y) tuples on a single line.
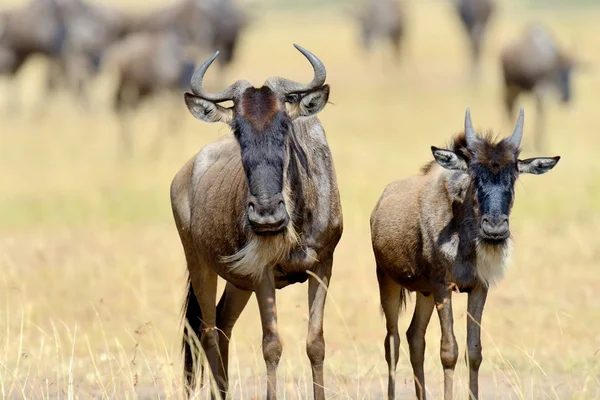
[(492, 261)]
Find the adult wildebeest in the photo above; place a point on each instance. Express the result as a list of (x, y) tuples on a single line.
[(475, 16), (259, 207), (385, 19), (534, 63), (447, 229)]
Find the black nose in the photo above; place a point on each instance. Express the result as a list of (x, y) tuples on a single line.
[(495, 227), (267, 214)]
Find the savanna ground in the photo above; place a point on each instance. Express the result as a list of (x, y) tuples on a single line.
[(92, 272)]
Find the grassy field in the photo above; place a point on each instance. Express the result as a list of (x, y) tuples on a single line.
[(92, 273)]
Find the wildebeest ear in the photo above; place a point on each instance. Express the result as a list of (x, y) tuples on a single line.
[(537, 166), (206, 110), (308, 103), (449, 159)]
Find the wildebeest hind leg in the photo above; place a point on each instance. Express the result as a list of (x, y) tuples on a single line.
[(390, 294), (230, 307), (416, 340)]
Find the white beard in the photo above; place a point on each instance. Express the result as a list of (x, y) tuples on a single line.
[(492, 262)]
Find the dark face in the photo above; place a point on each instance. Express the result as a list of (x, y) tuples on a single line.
[(493, 168), (261, 127), (493, 195)]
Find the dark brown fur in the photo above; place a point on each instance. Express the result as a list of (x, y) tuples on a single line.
[(259, 107)]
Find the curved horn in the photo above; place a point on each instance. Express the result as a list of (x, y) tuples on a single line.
[(288, 86), (517, 135), (469, 131), (228, 93)]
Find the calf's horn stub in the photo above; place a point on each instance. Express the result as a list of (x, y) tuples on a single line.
[(288, 86), (517, 135), (229, 93), (469, 131)]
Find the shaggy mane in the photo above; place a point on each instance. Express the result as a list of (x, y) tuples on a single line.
[(490, 149)]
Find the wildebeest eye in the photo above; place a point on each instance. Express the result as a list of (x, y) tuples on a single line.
[(292, 98)]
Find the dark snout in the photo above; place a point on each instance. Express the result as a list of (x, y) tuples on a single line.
[(494, 228), (267, 215)]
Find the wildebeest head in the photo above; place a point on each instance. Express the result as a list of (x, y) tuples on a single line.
[(493, 168), (261, 119)]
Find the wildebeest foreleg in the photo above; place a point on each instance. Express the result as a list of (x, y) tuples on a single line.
[(475, 305), (390, 295), (271, 344), (204, 283), (315, 343), (230, 307), (416, 340), (448, 347)]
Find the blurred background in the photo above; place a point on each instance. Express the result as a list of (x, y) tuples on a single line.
[(93, 128)]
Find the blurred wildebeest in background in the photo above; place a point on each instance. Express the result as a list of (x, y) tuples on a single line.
[(75, 35), (210, 25), (536, 63), (148, 63), (90, 30), (206, 25), (475, 16), (37, 28), (384, 19)]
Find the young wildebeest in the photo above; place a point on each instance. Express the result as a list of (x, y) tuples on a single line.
[(535, 63), (385, 19), (447, 229), (475, 15), (260, 208)]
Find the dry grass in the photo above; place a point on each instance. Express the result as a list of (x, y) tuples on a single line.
[(92, 271)]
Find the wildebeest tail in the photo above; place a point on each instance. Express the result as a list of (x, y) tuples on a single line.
[(403, 296), (192, 325)]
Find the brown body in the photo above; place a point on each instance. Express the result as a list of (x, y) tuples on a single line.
[(535, 63), (210, 193), (444, 230), (235, 222), (475, 16)]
